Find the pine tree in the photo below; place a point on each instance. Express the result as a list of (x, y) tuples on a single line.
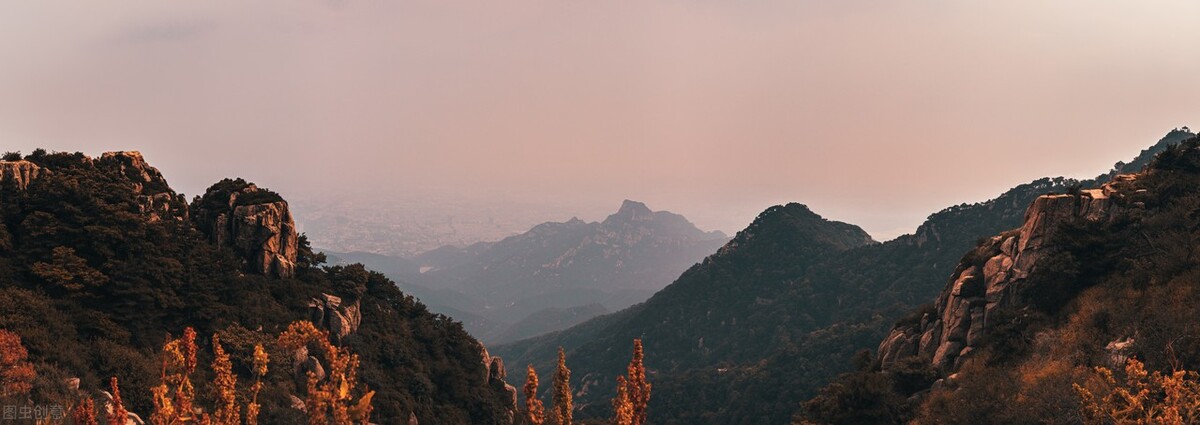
[(638, 389), (535, 413), (622, 407), (562, 391)]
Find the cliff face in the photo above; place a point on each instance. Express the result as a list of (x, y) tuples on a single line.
[(155, 197), (255, 223), (19, 173), (995, 276)]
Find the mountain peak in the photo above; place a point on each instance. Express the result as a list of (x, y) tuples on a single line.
[(633, 210)]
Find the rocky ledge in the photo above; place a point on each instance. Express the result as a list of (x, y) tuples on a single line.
[(18, 173), (255, 223), (995, 279)]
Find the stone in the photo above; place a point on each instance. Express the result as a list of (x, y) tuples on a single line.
[(18, 173), (976, 290), (262, 232), (155, 198), (328, 312)]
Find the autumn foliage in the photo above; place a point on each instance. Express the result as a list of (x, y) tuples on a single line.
[(16, 373), (228, 412), (84, 412), (563, 406), (638, 388), (1140, 397), (174, 397), (622, 406), (633, 392), (329, 400), (118, 415), (260, 370), (535, 412)]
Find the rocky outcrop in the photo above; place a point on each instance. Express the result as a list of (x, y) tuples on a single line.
[(495, 374), (506, 392), (255, 223), (18, 173), (329, 313), (994, 277), (303, 364), (155, 197)]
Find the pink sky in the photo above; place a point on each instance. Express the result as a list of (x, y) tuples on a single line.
[(876, 113)]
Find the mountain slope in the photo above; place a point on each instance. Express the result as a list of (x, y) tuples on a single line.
[(1091, 278), (554, 268), (839, 305), (100, 261), (815, 323), (705, 318)]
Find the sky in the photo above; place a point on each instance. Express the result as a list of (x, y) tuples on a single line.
[(876, 113)]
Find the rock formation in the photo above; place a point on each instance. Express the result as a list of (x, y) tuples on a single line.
[(155, 197), (18, 173), (255, 223), (328, 312), (995, 278), (494, 378)]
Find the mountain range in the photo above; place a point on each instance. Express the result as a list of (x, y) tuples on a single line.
[(1036, 306), (553, 276), (779, 311)]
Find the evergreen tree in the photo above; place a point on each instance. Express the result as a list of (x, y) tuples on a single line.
[(562, 391), (535, 413)]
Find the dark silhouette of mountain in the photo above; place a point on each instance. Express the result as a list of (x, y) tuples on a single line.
[(701, 321), (100, 261), (775, 325), (1092, 277)]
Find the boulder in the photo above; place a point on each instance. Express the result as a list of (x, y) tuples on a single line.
[(340, 320), (255, 223), (18, 173)]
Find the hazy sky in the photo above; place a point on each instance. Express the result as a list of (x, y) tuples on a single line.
[(872, 112)]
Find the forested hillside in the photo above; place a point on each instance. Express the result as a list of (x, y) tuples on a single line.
[(786, 321), (1086, 310), (100, 261)]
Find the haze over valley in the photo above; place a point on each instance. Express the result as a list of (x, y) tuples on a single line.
[(780, 212)]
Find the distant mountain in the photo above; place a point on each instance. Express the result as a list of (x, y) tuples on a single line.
[(550, 319), (776, 323), (551, 269)]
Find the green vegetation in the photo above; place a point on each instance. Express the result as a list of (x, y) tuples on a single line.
[(1120, 289), (94, 289)]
